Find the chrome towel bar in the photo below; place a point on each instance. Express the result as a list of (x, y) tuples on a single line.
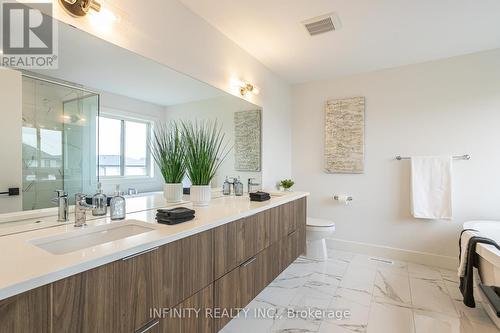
[(458, 157)]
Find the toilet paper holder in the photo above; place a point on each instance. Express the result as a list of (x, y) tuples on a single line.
[(342, 198)]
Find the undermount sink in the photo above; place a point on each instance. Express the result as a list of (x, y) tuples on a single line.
[(91, 236)]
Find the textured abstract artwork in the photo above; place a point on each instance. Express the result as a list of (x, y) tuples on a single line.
[(345, 135), (247, 138)]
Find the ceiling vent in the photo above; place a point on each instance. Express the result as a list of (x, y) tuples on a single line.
[(321, 24)]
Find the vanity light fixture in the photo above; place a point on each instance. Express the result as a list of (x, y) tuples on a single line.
[(246, 88), (80, 7)]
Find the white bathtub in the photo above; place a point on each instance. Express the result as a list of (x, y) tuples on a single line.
[(489, 261)]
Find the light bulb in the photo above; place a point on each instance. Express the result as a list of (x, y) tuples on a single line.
[(103, 19)]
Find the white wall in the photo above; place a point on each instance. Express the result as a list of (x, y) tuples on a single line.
[(10, 140), (443, 107), (166, 31), (221, 109)]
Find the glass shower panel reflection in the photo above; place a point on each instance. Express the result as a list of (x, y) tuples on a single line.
[(59, 136)]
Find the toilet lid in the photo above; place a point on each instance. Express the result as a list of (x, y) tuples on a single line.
[(314, 222)]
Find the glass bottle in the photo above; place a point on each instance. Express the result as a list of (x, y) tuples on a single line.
[(100, 202), (117, 205), (226, 188), (238, 187)]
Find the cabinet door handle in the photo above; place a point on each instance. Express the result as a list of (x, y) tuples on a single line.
[(148, 326), (140, 253), (248, 262)]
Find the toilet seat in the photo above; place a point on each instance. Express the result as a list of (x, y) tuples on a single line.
[(321, 225)]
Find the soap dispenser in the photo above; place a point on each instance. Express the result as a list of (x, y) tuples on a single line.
[(117, 205), (238, 187), (226, 188), (100, 202)]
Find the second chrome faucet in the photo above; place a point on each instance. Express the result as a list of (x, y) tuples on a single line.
[(81, 208)]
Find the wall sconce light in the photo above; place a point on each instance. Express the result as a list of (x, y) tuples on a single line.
[(80, 7), (245, 88)]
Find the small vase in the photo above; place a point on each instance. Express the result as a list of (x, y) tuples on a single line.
[(200, 195), (172, 192)]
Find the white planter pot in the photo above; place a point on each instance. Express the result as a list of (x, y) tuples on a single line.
[(200, 195), (172, 192)]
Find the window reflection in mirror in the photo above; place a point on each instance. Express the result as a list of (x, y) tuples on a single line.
[(122, 147)]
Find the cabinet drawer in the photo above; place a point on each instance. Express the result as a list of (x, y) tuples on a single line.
[(289, 218), (192, 315), (268, 268), (27, 312), (239, 287), (238, 241), (282, 221), (87, 302), (246, 239), (288, 250), (225, 248), (116, 297), (187, 266), (248, 279), (301, 218), (198, 263), (138, 279), (263, 229), (227, 296)]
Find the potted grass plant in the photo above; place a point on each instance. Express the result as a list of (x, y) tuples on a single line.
[(169, 152), (206, 149)]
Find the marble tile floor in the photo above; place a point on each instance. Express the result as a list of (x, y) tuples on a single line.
[(353, 293)]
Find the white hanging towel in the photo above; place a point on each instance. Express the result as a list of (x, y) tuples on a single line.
[(431, 182)]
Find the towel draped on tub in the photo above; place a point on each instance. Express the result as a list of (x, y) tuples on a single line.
[(468, 259)]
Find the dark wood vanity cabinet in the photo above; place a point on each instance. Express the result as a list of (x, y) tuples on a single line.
[(265, 244), (222, 268), (238, 241), (27, 312)]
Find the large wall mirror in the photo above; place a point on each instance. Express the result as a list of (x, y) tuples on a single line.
[(90, 120)]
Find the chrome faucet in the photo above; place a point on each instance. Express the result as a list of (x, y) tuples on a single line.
[(251, 184), (81, 208), (61, 200)]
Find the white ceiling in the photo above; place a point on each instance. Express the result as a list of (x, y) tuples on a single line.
[(100, 65), (375, 34)]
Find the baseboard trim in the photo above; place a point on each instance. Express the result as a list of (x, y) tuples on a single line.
[(425, 258)]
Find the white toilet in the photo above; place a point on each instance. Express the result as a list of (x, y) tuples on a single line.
[(317, 230)]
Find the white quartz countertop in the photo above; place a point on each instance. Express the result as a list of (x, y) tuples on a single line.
[(24, 266)]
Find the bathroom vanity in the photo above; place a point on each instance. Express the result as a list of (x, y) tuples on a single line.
[(218, 262)]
